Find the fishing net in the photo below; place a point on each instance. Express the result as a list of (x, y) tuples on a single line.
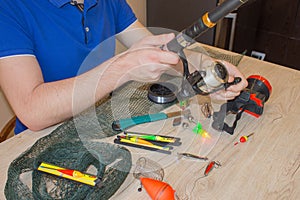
[(66, 147)]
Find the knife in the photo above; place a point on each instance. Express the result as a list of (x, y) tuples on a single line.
[(123, 124)]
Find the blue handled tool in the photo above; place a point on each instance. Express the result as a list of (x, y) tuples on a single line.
[(123, 124)]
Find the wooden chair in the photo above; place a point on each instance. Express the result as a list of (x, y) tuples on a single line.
[(7, 118), (7, 130)]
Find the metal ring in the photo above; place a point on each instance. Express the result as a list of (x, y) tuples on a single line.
[(162, 93)]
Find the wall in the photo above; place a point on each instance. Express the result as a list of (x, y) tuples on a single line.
[(178, 15), (271, 27), (139, 8)]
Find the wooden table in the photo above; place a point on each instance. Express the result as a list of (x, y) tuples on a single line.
[(265, 167)]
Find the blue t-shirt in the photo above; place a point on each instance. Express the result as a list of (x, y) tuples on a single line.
[(59, 35)]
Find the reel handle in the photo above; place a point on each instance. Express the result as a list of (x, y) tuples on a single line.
[(234, 82)]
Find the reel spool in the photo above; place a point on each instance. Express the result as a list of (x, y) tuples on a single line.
[(162, 93), (210, 80)]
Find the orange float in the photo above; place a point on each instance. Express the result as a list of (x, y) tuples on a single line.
[(158, 190)]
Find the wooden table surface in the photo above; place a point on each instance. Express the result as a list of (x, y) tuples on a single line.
[(265, 167)]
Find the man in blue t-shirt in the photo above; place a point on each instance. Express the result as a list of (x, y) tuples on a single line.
[(45, 42)]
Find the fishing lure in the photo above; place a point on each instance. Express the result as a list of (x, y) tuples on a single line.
[(207, 110), (189, 155), (210, 166)]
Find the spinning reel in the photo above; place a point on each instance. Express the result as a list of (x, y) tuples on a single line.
[(203, 82)]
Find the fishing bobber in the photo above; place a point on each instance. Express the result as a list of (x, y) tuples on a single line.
[(158, 190), (243, 139)]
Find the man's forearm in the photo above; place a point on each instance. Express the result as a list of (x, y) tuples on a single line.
[(39, 105)]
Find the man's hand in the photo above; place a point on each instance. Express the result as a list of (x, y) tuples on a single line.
[(145, 61), (234, 90)]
